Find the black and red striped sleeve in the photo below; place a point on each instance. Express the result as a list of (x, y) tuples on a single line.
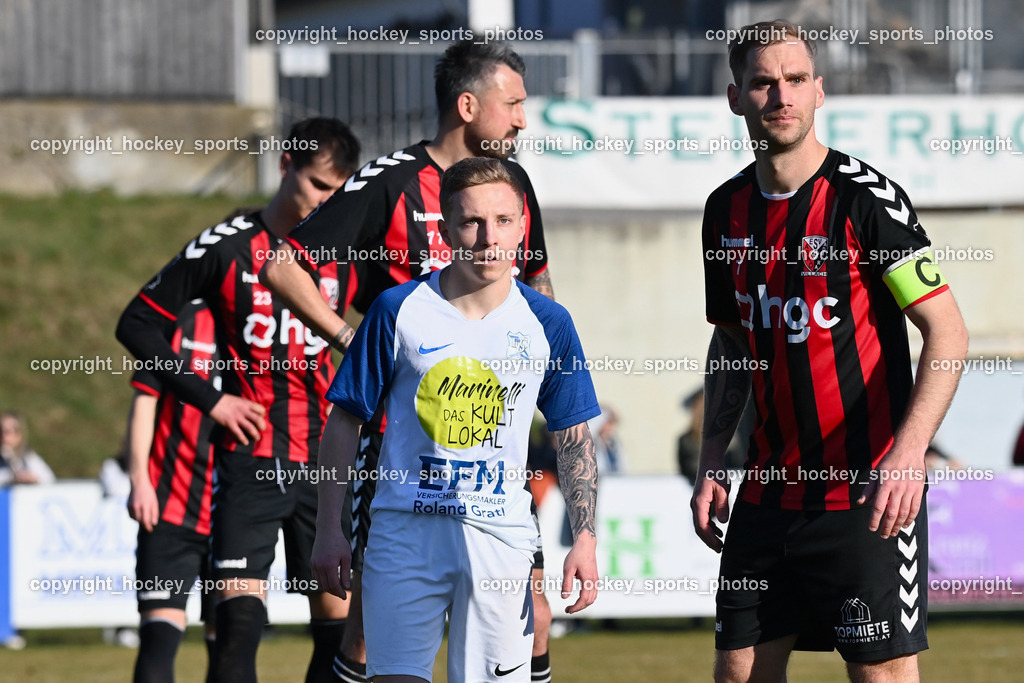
[(147, 325), (719, 287), (355, 213), (146, 382)]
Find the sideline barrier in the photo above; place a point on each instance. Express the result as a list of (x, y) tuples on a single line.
[(645, 536), (73, 561), (67, 554)]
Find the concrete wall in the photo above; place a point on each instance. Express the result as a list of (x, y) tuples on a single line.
[(96, 131), (634, 285)]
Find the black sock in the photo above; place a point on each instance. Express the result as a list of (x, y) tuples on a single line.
[(158, 644), (540, 669), (239, 627), (348, 670), (211, 656), (327, 635)]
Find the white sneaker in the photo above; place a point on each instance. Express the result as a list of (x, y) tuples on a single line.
[(15, 642), (128, 637), (561, 628)]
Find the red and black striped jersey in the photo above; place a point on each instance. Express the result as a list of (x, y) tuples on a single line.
[(181, 457), (384, 220), (831, 371), (269, 356)]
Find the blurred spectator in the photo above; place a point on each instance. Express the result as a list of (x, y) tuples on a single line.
[(607, 450), (542, 459), (19, 464), (1018, 450), (688, 446), (115, 484), (937, 459), (114, 473)]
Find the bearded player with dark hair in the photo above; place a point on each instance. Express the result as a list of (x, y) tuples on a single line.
[(829, 550)]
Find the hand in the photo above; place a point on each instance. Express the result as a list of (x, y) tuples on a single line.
[(331, 562), (710, 495), (143, 505), (241, 417), (896, 486), (25, 477), (581, 563)]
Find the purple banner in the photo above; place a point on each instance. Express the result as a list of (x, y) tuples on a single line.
[(975, 548)]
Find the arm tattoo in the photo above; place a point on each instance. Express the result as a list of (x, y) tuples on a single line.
[(577, 476), (542, 283), (341, 340), (725, 391)]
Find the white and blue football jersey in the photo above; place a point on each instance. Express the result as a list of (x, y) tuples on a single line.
[(459, 398)]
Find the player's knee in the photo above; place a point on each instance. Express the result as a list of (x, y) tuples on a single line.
[(158, 646), (240, 622), (896, 670), (735, 666), (766, 662), (326, 606), (541, 609)]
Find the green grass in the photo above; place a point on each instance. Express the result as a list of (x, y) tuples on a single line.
[(68, 267), (983, 650)]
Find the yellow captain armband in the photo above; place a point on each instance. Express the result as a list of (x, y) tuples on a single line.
[(914, 278)]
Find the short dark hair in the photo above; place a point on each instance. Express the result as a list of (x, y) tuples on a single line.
[(331, 136), (761, 35), (475, 171), (465, 64)]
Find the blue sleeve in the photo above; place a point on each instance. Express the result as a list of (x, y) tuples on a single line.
[(368, 366), (567, 395)]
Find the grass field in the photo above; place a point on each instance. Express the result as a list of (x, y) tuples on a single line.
[(974, 650), (68, 267)]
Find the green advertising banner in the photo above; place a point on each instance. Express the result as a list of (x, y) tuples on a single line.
[(670, 153)]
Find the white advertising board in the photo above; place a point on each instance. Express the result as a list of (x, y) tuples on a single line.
[(650, 562), (73, 561), (670, 153)]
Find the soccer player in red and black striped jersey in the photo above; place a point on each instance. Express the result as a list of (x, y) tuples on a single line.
[(385, 220), (171, 471), (271, 406), (813, 261)]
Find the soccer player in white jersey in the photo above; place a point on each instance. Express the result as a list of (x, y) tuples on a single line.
[(461, 356)]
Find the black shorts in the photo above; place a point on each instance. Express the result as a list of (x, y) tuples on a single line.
[(255, 498), (826, 578), (167, 562), (359, 494)]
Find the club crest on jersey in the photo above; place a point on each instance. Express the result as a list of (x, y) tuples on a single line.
[(330, 291), (518, 346), (813, 251)]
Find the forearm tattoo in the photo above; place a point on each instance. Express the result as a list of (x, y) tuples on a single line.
[(341, 340), (725, 391), (542, 283), (577, 476)]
